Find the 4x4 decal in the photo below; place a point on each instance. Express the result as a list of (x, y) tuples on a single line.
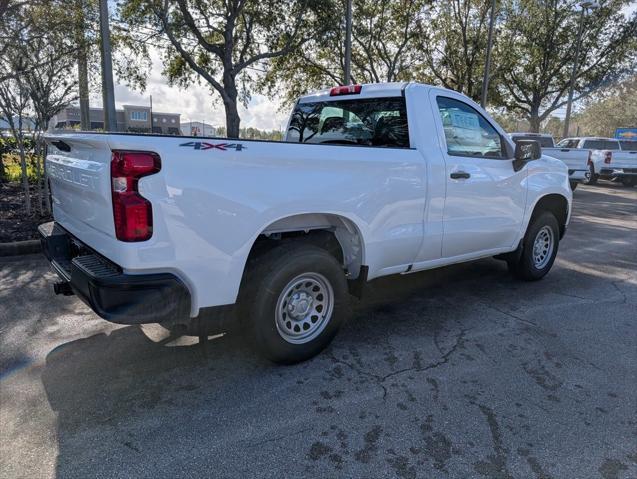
[(203, 145)]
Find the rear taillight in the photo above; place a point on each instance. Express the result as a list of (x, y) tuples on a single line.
[(346, 90), (133, 214), (607, 157)]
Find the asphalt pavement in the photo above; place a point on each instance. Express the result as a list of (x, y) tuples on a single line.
[(458, 372)]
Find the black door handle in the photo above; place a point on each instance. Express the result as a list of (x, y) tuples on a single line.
[(456, 175)]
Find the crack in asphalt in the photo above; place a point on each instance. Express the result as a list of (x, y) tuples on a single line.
[(380, 379)]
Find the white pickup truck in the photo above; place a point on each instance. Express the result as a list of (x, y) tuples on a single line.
[(575, 159), (372, 180), (608, 158)]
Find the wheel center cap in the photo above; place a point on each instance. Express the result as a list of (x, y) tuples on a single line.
[(300, 305)]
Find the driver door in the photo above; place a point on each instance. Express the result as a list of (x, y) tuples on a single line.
[(485, 197)]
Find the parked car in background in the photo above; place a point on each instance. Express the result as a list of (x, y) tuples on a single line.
[(372, 180), (608, 158), (623, 164), (575, 159)]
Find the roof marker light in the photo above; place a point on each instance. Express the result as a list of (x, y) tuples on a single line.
[(346, 90)]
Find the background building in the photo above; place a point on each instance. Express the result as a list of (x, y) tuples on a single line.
[(131, 118), (197, 128)]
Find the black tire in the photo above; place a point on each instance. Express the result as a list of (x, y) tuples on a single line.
[(591, 177), (268, 277), (629, 182), (526, 267), (574, 185)]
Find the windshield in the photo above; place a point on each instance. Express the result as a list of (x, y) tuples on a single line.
[(378, 122), (628, 145), (544, 141), (601, 144)]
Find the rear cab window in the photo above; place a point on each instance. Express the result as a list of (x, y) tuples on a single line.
[(628, 145), (601, 144), (376, 122)]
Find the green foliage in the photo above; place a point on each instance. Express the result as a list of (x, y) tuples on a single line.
[(537, 50), (13, 171), (454, 45), (255, 134), (613, 108), (385, 47), (8, 144), (222, 44)]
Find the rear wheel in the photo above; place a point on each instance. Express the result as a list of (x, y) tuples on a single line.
[(590, 178), (539, 248), (629, 181), (294, 301)]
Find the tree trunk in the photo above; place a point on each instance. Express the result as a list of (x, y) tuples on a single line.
[(534, 120), (82, 68), (25, 177), (233, 121)]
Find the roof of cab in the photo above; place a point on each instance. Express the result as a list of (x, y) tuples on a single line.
[(368, 90), (589, 138)]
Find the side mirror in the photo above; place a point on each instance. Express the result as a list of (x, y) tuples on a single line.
[(526, 150)]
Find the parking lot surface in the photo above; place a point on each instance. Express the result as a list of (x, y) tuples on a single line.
[(459, 372)]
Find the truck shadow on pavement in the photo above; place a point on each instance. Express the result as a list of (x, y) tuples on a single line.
[(459, 371)]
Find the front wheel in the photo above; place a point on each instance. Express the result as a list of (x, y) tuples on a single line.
[(294, 301), (539, 248)]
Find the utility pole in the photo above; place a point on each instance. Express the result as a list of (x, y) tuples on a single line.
[(569, 103), (108, 90), (487, 64), (82, 67), (348, 43)]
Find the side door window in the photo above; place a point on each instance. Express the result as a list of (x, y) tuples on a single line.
[(467, 132)]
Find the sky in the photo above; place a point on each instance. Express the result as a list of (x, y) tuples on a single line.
[(197, 103)]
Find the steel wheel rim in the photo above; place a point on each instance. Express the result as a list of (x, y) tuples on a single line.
[(543, 247), (304, 308), (589, 173)]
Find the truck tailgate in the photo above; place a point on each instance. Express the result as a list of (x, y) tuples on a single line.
[(80, 178), (574, 158), (624, 159)]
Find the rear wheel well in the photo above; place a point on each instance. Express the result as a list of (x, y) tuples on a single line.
[(555, 204), (336, 235)]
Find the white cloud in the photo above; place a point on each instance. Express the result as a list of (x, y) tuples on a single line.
[(196, 103)]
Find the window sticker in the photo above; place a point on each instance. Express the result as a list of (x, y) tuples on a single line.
[(461, 119)]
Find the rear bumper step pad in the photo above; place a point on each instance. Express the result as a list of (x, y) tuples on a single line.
[(115, 296)]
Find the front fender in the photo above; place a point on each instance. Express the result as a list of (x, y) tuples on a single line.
[(546, 176)]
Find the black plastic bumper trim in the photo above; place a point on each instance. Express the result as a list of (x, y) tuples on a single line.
[(113, 295)]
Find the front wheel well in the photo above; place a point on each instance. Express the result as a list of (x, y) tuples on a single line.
[(555, 204)]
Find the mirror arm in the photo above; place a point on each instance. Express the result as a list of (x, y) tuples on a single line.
[(518, 164)]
